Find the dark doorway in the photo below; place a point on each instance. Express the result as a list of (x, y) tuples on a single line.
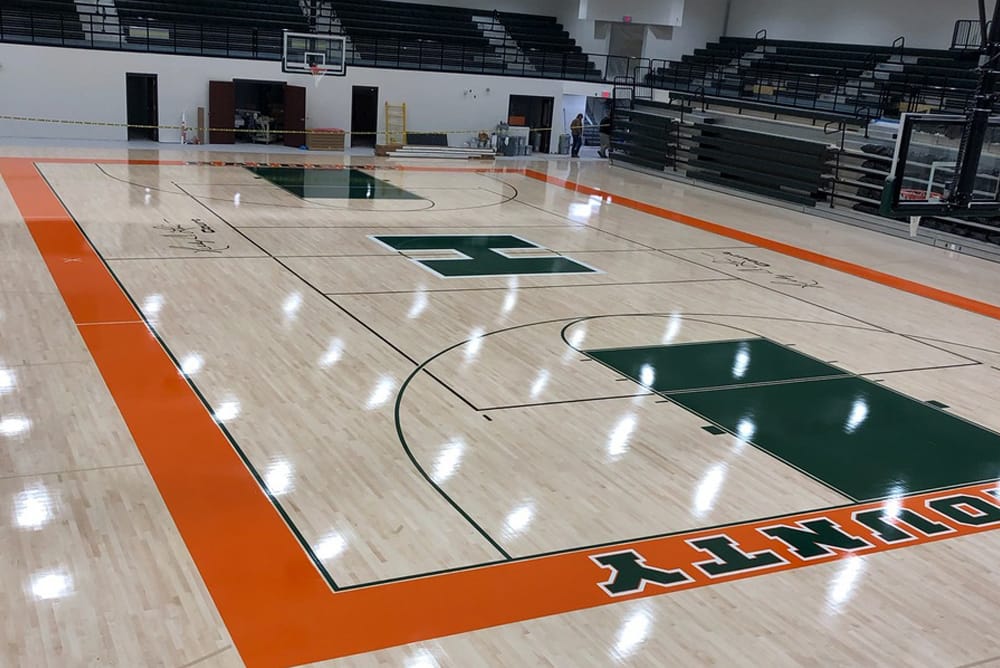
[(534, 112), (295, 115), (221, 112), (141, 106), (364, 115)]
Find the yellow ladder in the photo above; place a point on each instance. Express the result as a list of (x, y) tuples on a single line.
[(395, 123)]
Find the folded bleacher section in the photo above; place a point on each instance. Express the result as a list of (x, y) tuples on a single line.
[(40, 21), (415, 36), (212, 27), (821, 79), (549, 48)]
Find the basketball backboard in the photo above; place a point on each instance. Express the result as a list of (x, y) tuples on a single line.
[(305, 53), (925, 164)]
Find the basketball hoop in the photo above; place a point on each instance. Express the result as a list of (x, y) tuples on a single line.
[(317, 74)]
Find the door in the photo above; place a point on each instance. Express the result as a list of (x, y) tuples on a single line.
[(221, 112), (141, 106), (364, 115), (295, 116)]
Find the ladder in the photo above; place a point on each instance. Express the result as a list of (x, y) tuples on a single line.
[(395, 123)]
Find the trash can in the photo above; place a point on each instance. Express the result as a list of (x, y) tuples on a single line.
[(564, 144)]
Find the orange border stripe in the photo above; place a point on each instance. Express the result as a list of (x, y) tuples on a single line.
[(274, 602), (906, 285)]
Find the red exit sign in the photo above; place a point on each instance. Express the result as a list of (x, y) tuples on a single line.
[(626, 19)]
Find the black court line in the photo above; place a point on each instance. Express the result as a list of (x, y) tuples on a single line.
[(923, 368), (204, 401), (820, 306), (527, 287), (543, 404), (344, 309), (191, 257)]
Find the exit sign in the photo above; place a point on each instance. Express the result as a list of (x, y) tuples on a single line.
[(626, 19)]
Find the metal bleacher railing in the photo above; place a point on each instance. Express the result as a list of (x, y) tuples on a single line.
[(733, 78)]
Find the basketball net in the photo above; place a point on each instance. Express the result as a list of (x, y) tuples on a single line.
[(317, 74)]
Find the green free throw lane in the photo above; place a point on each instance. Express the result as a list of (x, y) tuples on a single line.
[(331, 183), (855, 435)]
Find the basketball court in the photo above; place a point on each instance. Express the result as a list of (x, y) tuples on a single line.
[(532, 414)]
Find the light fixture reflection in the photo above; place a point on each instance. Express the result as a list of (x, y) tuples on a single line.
[(192, 364), (742, 361), (33, 507), (893, 505), (278, 477), (859, 413), (332, 354), (745, 429), (673, 328), (633, 632), (448, 461), (708, 489), (152, 305), (236, 200), (8, 381), (510, 301), (14, 425), (540, 382), (330, 546), (619, 437), (843, 585), (579, 211), (519, 519), (422, 659), (292, 304), (474, 344), (227, 410), (51, 584), (647, 375), (381, 392), (419, 304)]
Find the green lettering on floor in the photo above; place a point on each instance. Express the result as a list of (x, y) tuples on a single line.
[(483, 255)]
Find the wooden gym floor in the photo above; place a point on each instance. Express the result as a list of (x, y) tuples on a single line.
[(543, 414)]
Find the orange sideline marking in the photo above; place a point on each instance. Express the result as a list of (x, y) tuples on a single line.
[(276, 606), (906, 285)]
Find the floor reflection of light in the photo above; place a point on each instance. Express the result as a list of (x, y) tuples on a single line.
[(893, 505), (422, 659), (33, 507), (474, 344), (708, 489), (227, 410), (619, 437), (647, 375), (236, 200), (448, 461), (419, 304), (673, 328), (540, 382), (8, 381), (859, 413), (278, 477), (381, 392), (14, 425), (330, 546), (843, 585), (633, 632), (519, 519), (51, 584), (745, 429), (742, 361), (580, 211), (292, 304), (192, 364), (332, 354), (510, 301), (152, 305)]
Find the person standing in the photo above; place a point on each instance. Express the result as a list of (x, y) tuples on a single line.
[(576, 129), (605, 130)]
